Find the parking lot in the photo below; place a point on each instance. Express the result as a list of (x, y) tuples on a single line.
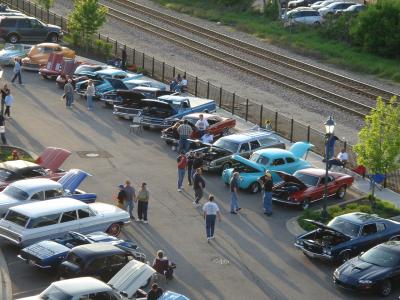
[(252, 256)]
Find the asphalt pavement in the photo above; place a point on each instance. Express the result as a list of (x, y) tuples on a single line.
[(252, 256)]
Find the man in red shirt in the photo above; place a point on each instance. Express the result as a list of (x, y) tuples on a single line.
[(182, 162)]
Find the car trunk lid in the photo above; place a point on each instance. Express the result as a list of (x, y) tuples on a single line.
[(52, 158), (72, 179), (300, 148)]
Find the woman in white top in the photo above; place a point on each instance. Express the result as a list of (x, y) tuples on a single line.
[(210, 213), (90, 92)]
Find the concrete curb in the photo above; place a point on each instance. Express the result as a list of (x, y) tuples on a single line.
[(5, 281)]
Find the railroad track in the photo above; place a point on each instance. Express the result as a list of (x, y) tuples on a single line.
[(349, 105), (347, 83)]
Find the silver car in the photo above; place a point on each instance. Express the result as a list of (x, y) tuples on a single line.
[(303, 15)]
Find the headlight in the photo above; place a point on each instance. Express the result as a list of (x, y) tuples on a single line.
[(361, 281), (326, 251), (240, 178)]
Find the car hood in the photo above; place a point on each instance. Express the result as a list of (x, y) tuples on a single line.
[(290, 178), (46, 249), (131, 277), (300, 148), (156, 104), (247, 162), (52, 158), (72, 179), (326, 228), (358, 269)]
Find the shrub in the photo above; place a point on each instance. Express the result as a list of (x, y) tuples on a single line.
[(271, 11), (103, 48), (337, 27)]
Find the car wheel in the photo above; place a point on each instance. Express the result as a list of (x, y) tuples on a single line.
[(395, 238), (385, 288), (114, 229), (344, 256), (306, 204), (255, 188), (53, 38), (13, 38), (225, 132), (226, 166), (341, 192)]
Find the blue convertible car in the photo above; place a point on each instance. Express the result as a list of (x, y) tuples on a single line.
[(50, 253), (271, 159)]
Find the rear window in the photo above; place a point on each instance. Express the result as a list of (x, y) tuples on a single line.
[(16, 218), (15, 193), (8, 23), (311, 13)]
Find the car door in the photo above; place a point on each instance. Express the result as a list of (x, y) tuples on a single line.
[(369, 236), (69, 221), (89, 221), (37, 196), (38, 31), (44, 227), (97, 268), (24, 29)]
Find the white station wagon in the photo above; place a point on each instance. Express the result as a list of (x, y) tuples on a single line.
[(26, 224)]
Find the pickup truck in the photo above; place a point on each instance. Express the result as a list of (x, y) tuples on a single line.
[(164, 111)]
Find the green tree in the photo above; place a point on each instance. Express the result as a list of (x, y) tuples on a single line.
[(47, 4), (86, 18), (378, 146)]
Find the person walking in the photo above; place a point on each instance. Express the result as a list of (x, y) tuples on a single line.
[(17, 70), (197, 163), (142, 203), (121, 197), (201, 125), (130, 198), (8, 101), (267, 197), (184, 131), (189, 164), (90, 92), (68, 93), (4, 92), (234, 185), (182, 163), (3, 130), (198, 185), (210, 214)]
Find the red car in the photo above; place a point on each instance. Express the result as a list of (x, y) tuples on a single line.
[(58, 65), (307, 185), (219, 126), (46, 165)]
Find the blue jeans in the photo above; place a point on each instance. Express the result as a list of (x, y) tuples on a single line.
[(210, 225), (267, 202), (89, 101), (234, 201), (69, 100), (183, 144), (181, 176), (129, 207)]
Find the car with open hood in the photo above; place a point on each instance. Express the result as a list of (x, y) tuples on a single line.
[(217, 157), (12, 51), (47, 165), (50, 253), (124, 285), (38, 189), (272, 159), (307, 186), (346, 236), (26, 224), (377, 270)]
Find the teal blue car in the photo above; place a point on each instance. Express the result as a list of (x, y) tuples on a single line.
[(272, 159), (11, 51)]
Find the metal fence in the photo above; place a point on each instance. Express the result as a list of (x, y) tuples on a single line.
[(249, 110)]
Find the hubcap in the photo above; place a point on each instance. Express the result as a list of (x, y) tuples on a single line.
[(386, 288), (342, 192)]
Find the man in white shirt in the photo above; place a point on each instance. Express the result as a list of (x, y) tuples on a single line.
[(207, 138), (201, 125), (210, 213), (340, 160)]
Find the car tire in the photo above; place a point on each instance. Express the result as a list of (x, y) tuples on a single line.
[(114, 229), (385, 288), (13, 38), (341, 192), (53, 38), (306, 204), (255, 188), (343, 256), (226, 166)]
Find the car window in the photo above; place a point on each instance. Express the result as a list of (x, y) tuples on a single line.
[(53, 193), (244, 147), (228, 145), (16, 218), (37, 196), (97, 264), (117, 260), (50, 50), (369, 229), (344, 226), (85, 213), (278, 162), (380, 227), (44, 221), (24, 23), (35, 24), (15, 193), (330, 179), (6, 175), (8, 23), (254, 145), (34, 172), (98, 296), (68, 216), (267, 141), (290, 160)]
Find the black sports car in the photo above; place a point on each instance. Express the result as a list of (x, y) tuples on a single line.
[(375, 270)]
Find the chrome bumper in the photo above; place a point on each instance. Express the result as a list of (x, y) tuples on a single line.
[(324, 257), (286, 201), (33, 263)]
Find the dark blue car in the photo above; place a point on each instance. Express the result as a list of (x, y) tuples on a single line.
[(346, 236), (377, 270)]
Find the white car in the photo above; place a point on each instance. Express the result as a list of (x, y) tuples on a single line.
[(30, 223), (303, 15), (333, 7), (124, 285), (322, 4)]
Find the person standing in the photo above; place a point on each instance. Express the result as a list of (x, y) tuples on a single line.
[(3, 130), (68, 93), (8, 100), (155, 292), (184, 84), (198, 185), (123, 59), (197, 163), (17, 70), (90, 92), (210, 213), (267, 197), (130, 198), (190, 160), (201, 125), (234, 185), (182, 163), (121, 197), (184, 131), (142, 203), (4, 92)]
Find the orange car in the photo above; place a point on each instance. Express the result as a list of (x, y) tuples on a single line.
[(40, 53)]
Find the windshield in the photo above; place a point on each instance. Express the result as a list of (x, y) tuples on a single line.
[(74, 259), (228, 145), (344, 226), (53, 293), (17, 218), (15, 193), (191, 120), (257, 158), (381, 256), (307, 179)]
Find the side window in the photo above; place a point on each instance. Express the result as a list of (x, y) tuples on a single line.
[(68, 216), (380, 227), (254, 145), (262, 160), (117, 260), (37, 196), (35, 24), (85, 213), (97, 264), (8, 23), (44, 221), (244, 147), (266, 141), (278, 162), (52, 194), (290, 160), (369, 229), (23, 23), (322, 181)]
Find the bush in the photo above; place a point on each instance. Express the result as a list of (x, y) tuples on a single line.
[(337, 28), (103, 48), (271, 11)]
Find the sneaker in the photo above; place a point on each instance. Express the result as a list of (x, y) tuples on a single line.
[(179, 190), (233, 212), (208, 240), (239, 208), (132, 217), (139, 220), (145, 221), (196, 204), (212, 237)]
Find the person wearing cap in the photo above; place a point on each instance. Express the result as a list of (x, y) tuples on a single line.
[(121, 197), (201, 125), (234, 185), (267, 183)]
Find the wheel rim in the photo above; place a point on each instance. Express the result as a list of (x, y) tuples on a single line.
[(13, 39), (342, 192), (386, 288), (114, 229)]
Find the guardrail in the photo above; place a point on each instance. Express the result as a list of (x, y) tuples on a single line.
[(245, 108)]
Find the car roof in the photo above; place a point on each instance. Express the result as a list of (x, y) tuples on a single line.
[(172, 98), (110, 71), (248, 136), (40, 208), (34, 184), (22, 16), (81, 285), (15, 165), (98, 249), (302, 9), (274, 153), (313, 171), (360, 218), (146, 89)]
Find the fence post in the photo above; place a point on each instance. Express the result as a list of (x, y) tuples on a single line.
[(261, 114), (291, 131), (41, 14), (247, 109), (308, 133), (23, 6), (35, 10), (152, 68), (345, 145), (208, 90), (134, 56), (163, 72), (173, 72), (143, 61), (107, 39), (195, 87), (116, 47), (48, 16), (276, 121), (233, 103), (29, 7), (62, 21), (220, 97)]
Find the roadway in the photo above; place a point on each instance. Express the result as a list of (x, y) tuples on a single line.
[(252, 256)]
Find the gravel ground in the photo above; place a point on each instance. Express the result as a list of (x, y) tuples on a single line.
[(274, 97)]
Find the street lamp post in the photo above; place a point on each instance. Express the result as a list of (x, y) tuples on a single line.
[(329, 129)]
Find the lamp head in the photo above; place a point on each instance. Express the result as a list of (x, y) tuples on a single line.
[(329, 125)]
